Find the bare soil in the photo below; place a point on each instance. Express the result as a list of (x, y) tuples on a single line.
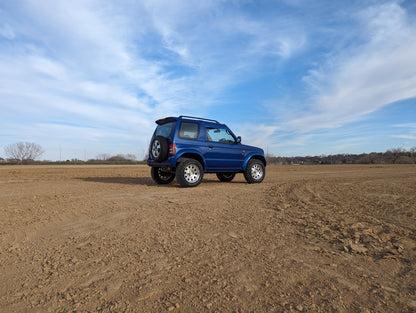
[(307, 239)]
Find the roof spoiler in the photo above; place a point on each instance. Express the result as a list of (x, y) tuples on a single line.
[(166, 120)]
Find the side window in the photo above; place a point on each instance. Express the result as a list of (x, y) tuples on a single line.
[(220, 135), (188, 130)]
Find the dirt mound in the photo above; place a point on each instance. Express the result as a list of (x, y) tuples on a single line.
[(308, 239)]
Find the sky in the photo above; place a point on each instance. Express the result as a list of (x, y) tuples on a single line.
[(296, 77)]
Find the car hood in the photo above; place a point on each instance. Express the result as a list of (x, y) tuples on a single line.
[(252, 149)]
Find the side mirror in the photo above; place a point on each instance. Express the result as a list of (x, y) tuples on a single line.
[(239, 139)]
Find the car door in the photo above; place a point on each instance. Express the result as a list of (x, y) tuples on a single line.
[(223, 152)]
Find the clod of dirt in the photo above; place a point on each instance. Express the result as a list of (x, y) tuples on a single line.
[(412, 304), (357, 248)]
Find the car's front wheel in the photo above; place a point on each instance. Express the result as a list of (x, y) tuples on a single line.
[(189, 173), (162, 177), (225, 177), (255, 171)]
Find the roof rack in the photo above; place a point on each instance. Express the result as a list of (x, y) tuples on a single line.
[(199, 118)]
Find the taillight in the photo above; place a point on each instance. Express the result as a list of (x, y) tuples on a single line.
[(172, 149)]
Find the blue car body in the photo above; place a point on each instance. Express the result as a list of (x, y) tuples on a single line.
[(227, 155), (186, 147)]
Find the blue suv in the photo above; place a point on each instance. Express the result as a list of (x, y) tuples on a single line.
[(186, 147)]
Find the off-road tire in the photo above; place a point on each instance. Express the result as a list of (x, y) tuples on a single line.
[(159, 149), (189, 173), (255, 171), (162, 177), (225, 177)]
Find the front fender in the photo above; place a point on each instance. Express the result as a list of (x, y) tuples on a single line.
[(255, 156)]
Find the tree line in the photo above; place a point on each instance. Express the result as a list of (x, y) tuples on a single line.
[(391, 156), (28, 152)]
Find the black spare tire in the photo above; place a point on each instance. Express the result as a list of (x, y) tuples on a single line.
[(159, 149)]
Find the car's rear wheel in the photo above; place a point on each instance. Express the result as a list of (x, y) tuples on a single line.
[(225, 177), (255, 171), (189, 173), (162, 177), (159, 149)]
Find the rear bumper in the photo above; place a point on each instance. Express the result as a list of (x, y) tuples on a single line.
[(166, 163)]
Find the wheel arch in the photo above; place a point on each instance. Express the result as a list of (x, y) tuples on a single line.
[(254, 156), (191, 155)]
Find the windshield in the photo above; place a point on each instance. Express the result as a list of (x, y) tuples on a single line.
[(165, 130)]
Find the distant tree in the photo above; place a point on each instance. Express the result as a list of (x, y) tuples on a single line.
[(103, 157), (363, 158), (117, 158), (413, 154), (23, 152), (130, 157), (404, 159), (394, 154)]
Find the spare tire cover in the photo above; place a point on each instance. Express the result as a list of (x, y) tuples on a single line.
[(159, 149)]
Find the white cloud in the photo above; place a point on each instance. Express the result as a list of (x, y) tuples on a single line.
[(255, 134), (222, 44), (82, 59), (47, 67), (362, 79), (405, 136), (410, 129), (407, 125), (6, 31)]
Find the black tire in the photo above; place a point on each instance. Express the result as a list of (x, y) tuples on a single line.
[(189, 173), (255, 171), (159, 149), (162, 177), (225, 177)]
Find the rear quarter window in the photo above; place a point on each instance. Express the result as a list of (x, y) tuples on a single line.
[(188, 130), (165, 130)]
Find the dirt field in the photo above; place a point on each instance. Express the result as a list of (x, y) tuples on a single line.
[(308, 239)]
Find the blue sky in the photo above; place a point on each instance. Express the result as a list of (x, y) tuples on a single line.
[(296, 77)]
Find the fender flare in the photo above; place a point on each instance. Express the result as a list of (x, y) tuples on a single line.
[(255, 156), (180, 156)]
